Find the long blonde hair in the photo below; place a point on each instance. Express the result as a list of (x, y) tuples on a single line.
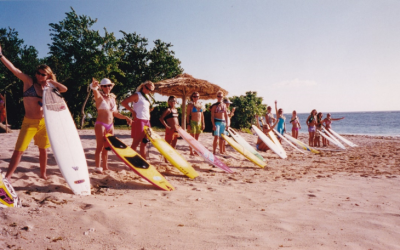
[(48, 71), (138, 89)]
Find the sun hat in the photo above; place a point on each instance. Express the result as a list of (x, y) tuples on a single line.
[(106, 81), (227, 101)]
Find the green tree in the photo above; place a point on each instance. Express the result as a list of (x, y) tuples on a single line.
[(246, 107), (26, 59), (78, 53)]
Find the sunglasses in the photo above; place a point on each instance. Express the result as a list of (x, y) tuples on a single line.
[(38, 73), (106, 86), (195, 96), (148, 88), (220, 96)]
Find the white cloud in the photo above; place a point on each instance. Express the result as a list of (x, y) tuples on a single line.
[(296, 83)]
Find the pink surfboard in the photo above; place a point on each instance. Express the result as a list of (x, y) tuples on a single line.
[(201, 150)]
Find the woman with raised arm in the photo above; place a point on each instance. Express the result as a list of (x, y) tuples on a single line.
[(33, 126), (281, 128), (106, 111), (195, 118), (328, 123), (141, 108), (311, 122)]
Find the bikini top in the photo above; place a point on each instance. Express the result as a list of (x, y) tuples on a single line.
[(218, 109), (31, 92), (194, 110), (311, 119), (293, 120), (172, 114), (328, 121), (105, 106)]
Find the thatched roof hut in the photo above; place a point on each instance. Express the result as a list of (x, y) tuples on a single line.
[(182, 86)]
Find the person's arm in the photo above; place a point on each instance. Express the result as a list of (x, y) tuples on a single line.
[(188, 114), (164, 114), (125, 103), (337, 119), (298, 121), (60, 87), (121, 116), (203, 124), (232, 112), (212, 117), (258, 122), (18, 73), (276, 109), (308, 118), (227, 120), (272, 127)]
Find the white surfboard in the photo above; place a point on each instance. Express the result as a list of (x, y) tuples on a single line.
[(65, 142), (343, 139), (301, 144), (331, 136), (287, 141), (279, 151), (326, 136)]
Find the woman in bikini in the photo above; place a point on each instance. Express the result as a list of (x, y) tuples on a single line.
[(281, 128), (106, 111), (195, 118), (311, 122), (295, 124), (170, 120), (328, 124), (141, 108), (33, 126), (219, 120)]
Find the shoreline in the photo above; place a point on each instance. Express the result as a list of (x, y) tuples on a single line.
[(334, 200)]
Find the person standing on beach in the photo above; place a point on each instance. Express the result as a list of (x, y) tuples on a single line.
[(195, 118), (141, 108), (318, 126), (106, 111), (169, 119), (328, 122), (311, 122), (281, 128), (33, 126), (295, 124), (230, 113), (220, 121)]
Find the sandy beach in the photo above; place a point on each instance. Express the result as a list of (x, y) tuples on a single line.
[(336, 200)]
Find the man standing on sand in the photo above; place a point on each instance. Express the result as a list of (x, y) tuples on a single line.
[(33, 126)]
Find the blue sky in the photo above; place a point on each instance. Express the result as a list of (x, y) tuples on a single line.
[(329, 55)]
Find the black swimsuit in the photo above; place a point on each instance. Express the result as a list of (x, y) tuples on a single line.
[(31, 92), (171, 115)]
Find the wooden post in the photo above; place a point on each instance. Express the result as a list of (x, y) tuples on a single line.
[(183, 122)]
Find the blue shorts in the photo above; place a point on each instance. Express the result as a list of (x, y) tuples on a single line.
[(219, 127)]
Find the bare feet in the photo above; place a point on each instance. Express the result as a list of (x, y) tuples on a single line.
[(43, 176)]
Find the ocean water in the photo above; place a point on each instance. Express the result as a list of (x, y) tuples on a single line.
[(385, 123)]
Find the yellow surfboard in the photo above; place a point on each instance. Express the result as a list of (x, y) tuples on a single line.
[(170, 153), (8, 196), (244, 152), (137, 163)]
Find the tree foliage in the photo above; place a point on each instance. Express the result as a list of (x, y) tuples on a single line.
[(26, 59), (246, 107)]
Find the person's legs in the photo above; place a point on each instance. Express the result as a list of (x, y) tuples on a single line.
[(215, 143), (99, 132), (43, 162), (15, 160)]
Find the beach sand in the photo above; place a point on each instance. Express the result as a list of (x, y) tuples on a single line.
[(336, 200)]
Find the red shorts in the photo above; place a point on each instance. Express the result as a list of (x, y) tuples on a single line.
[(137, 131), (170, 134)]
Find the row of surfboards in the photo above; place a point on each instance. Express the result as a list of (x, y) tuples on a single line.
[(69, 154)]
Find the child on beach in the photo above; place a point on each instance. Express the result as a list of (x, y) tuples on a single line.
[(281, 128), (195, 118), (169, 119), (106, 111), (295, 124), (33, 126), (220, 121), (311, 122)]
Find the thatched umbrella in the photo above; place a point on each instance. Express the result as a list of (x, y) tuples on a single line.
[(182, 86)]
